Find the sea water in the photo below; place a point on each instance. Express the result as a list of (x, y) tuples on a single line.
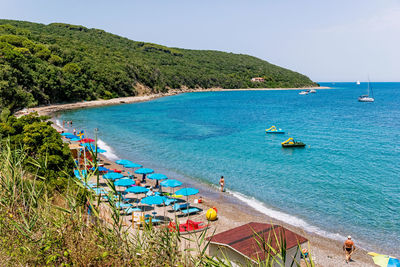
[(346, 181)]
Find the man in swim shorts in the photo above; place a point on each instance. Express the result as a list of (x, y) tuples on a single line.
[(349, 248)]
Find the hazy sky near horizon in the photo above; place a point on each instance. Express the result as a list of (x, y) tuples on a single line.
[(341, 40)]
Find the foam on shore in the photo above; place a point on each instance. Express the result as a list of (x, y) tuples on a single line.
[(58, 123), (110, 154), (284, 217)]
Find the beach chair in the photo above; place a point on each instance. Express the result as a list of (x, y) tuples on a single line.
[(169, 201), (190, 210), (138, 219), (180, 206)]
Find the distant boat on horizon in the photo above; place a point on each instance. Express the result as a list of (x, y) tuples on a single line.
[(358, 82), (367, 98)]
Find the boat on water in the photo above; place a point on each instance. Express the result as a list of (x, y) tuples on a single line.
[(274, 130), (292, 143), (312, 91), (304, 92), (367, 97), (358, 82)]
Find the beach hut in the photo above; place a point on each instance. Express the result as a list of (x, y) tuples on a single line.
[(240, 244)]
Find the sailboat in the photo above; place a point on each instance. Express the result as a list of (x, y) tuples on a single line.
[(358, 82), (367, 97)]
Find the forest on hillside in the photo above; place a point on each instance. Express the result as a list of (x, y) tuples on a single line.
[(58, 63)]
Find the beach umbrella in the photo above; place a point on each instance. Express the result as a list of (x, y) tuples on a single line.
[(132, 165), (75, 139), (122, 205), (113, 175), (86, 140), (124, 182), (187, 191), (144, 171), (384, 260), (78, 173), (71, 136), (92, 147), (137, 190), (100, 169), (171, 183), (130, 210), (157, 177), (153, 200), (65, 134), (99, 191), (123, 161)]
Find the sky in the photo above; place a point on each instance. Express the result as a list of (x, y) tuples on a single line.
[(340, 40)]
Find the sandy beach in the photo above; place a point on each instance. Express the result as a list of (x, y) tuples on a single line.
[(50, 109), (231, 213)]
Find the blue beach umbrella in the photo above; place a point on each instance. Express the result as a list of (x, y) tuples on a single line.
[(99, 150), (153, 200), (112, 175), (124, 182), (78, 173), (75, 139), (187, 191), (122, 205), (71, 136), (132, 165), (100, 169), (99, 191), (123, 161), (137, 190), (171, 183), (157, 176), (64, 134), (144, 171)]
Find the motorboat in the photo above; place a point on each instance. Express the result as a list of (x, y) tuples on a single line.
[(313, 91), (292, 143), (274, 130), (304, 92)]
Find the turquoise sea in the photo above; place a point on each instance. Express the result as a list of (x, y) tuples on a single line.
[(345, 182)]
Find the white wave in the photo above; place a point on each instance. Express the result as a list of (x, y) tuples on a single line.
[(110, 152), (58, 123), (289, 219)]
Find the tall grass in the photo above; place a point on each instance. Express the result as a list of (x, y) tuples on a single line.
[(41, 227)]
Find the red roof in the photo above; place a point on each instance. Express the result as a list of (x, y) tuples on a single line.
[(244, 239)]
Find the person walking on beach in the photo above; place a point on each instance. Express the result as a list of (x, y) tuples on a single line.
[(349, 248), (222, 183), (74, 131)]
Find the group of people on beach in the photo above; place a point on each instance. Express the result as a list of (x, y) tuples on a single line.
[(69, 123)]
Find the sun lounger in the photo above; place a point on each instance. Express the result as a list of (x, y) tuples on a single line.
[(169, 201), (190, 210), (180, 206)]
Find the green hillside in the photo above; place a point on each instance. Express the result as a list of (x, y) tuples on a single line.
[(57, 63)]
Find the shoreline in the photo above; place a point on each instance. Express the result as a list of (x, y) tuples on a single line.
[(51, 109), (234, 212)]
